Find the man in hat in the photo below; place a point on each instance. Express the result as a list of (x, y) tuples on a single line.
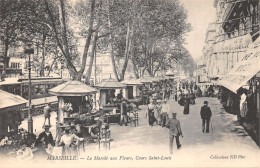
[(45, 138), (175, 131), (123, 117), (164, 112), (205, 114), (47, 115)]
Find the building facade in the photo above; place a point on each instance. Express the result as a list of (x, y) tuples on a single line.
[(234, 58)]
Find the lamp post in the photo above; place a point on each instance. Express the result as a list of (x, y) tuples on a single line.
[(29, 50)]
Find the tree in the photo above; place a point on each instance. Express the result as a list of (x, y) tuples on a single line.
[(12, 21), (145, 31), (62, 34)]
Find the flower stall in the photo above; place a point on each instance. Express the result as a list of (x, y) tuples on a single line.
[(11, 138), (133, 87), (73, 107), (13, 142), (107, 90), (10, 117)]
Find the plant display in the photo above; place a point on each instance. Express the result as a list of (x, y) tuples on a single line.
[(15, 140)]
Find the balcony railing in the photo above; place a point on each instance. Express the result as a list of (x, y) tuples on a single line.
[(236, 33)]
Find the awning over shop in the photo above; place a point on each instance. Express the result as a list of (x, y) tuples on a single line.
[(72, 88), (11, 102), (244, 70), (10, 81)]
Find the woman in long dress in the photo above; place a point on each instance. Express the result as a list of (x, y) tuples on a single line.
[(186, 105), (157, 112), (151, 109), (70, 142)]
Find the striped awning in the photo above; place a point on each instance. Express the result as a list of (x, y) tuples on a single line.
[(248, 67)]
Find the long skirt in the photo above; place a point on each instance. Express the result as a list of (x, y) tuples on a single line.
[(186, 109), (151, 118), (157, 115), (69, 150)]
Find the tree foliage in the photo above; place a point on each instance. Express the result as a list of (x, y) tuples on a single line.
[(149, 33)]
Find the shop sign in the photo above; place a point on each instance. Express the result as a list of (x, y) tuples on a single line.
[(234, 44)]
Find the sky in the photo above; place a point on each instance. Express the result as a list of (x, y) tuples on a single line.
[(200, 14)]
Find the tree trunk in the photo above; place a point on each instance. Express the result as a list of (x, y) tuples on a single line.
[(88, 40), (92, 57), (129, 35), (5, 59), (93, 51), (135, 71), (111, 44), (43, 55)]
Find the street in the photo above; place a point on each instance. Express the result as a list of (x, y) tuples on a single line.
[(228, 138), (151, 143)]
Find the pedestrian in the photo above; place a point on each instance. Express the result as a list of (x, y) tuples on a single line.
[(69, 142), (123, 117), (186, 104), (151, 109), (157, 113), (45, 138), (47, 115), (175, 131), (164, 113), (205, 114)]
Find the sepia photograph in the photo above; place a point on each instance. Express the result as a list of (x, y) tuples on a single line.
[(129, 83)]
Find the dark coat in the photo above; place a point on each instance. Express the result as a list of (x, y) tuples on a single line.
[(123, 108), (205, 112), (47, 139)]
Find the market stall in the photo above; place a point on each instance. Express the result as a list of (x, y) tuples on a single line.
[(74, 105), (11, 137), (108, 97), (108, 100), (133, 87)]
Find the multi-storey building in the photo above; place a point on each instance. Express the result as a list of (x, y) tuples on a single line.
[(235, 58)]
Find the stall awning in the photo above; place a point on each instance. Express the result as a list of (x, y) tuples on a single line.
[(170, 73), (72, 88), (244, 70), (11, 102), (47, 81), (132, 81), (110, 84)]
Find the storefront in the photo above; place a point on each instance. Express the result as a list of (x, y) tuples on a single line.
[(244, 79)]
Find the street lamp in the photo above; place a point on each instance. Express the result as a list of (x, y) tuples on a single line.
[(29, 50)]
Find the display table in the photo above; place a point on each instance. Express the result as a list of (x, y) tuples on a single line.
[(109, 107), (88, 127), (113, 118)]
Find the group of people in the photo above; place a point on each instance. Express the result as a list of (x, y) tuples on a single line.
[(45, 144), (162, 115)]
